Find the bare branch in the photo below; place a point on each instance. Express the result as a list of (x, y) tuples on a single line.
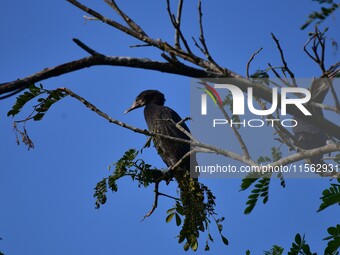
[(177, 26), (163, 46), (178, 21), (19, 84), (85, 47), (106, 20), (307, 154), (126, 18), (251, 59), (180, 162), (326, 107), (318, 40), (291, 74), (273, 69), (155, 203), (179, 126), (146, 132), (202, 39)]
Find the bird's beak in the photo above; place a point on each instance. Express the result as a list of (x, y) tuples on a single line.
[(136, 104)]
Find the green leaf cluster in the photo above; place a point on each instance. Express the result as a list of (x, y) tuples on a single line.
[(197, 206), (275, 250), (300, 247), (261, 190), (330, 196), (319, 16), (44, 103), (127, 165), (333, 245)]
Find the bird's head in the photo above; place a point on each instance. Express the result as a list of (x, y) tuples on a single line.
[(146, 97)]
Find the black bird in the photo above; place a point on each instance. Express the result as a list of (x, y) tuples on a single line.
[(310, 137), (162, 119), (307, 135)]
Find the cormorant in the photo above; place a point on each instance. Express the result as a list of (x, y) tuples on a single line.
[(162, 119), (308, 135)]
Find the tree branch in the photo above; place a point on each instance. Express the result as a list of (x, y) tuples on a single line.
[(95, 60), (291, 74), (126, 18), (85, 47), (207, 147), (251, 59)]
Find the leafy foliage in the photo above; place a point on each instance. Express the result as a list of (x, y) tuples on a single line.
[(319, 16), (330, 196), (300, 246), (193, 211), (197, 206), (125, 166), (333, 245), (261, 189), (39, 110), (275, 250), (43, 105)]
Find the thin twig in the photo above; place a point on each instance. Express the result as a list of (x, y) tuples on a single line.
[(326, 107), (178, 21), (291, 74), (181, 128), (155, 203), (202, 39), (89, 18), (180, 162), (85, 47), (306, 50), (251, 59), (273, 69), (126, 18), (318, 40), (178, 30), (163, 46), (140, 45)]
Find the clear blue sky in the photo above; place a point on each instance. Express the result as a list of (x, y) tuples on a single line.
[(46, 193)]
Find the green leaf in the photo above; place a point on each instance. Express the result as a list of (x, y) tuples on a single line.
[(178, 220), (38, 116), (170, 210), (330, 196), (298, 239), (225, 240), (332, 231), (186, 246), (194, 245), (169, 217)]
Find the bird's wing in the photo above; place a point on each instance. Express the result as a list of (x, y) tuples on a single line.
[(162, 120)]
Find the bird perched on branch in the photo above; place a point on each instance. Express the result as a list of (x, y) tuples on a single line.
[(162, 120), (307, 135)]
